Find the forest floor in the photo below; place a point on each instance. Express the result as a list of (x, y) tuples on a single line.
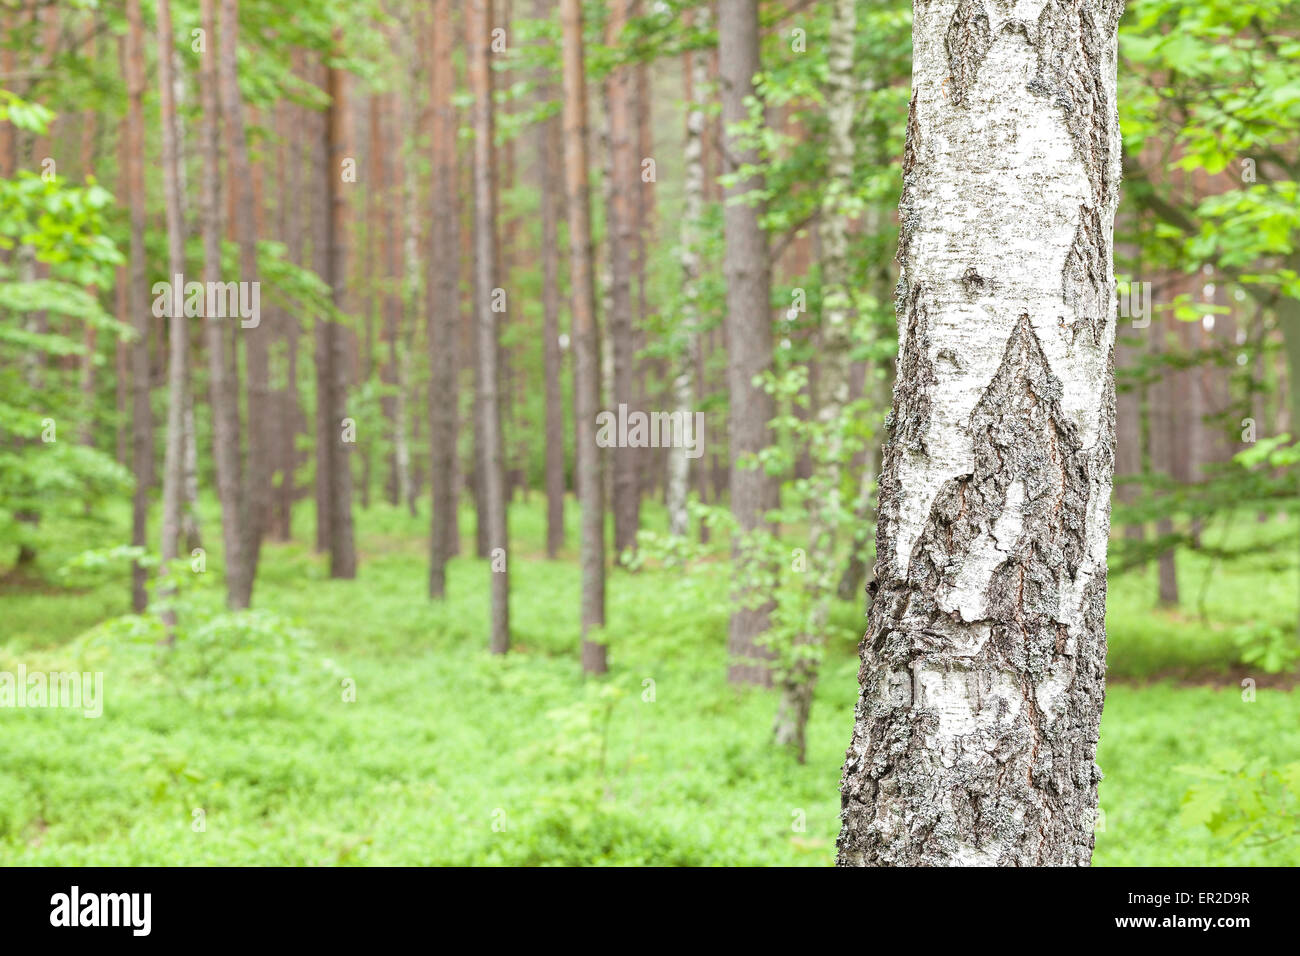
[(241, 745)]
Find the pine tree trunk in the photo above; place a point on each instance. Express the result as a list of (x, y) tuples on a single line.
[(983, 665), (343, 556), (747, 269), (178, 331), (257, 483), (1130, 448), (410, 287), (1163, 416), (137, 300), (586, 342), (223, 387), (444, 305), (327, 427), (624, 173), (478, 32), (89, 129), (548, 151), (291, 406), (652, 461)]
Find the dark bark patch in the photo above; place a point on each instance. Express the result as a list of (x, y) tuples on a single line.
[(1023, 786), (967, 42), (915, 379), (912, 141), (973, 282), (1070, 53), (1085, 282)]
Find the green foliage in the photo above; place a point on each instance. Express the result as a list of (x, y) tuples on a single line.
[(661, 762), (1244, 800), (44, 470), (1272, 648)]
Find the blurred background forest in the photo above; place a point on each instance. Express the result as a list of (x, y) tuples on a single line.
[(359, 592)]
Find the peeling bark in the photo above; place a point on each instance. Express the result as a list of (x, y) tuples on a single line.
[(982, 673)]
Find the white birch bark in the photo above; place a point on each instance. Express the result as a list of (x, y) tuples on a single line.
[(679, 466), (982, 671)]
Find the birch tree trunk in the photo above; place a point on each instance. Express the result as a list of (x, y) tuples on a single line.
[(586, 340), (478, 33), (694, 81), (983, 665)]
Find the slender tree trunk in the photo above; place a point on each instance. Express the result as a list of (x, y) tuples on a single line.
[(831, 396), (478, 32), (257, 483), (178, 331), (855, 570), (190, 525), (983, 666), (410, 286), (509, 376), (137, 300), (327, 427), (620, 216), (652, 464), (385, 158), (343, 556), (694, 80), (586, 341), (89, 129), (292, 216), (1130, 446), (1163, 416), (223, 387), (747, 270), (191, 528), (120, 362), (376, 301), (878, 387), (444, 304), (1189, 433), (548, 151)]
